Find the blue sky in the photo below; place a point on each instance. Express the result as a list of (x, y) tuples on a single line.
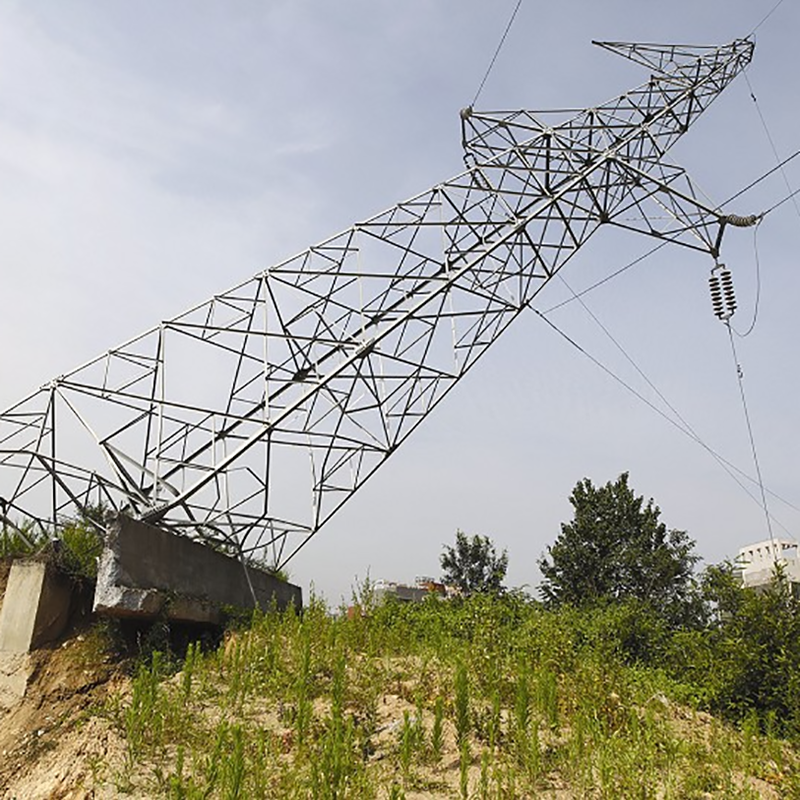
[(152, 154)]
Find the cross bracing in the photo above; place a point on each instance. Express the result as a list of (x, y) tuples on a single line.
[(248, 420)]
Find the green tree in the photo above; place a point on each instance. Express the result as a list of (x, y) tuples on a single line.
[(616, 549), (473, 565)]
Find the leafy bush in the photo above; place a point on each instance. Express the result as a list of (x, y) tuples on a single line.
[(746, 664), (631, 631), (80, 550), (75, 550)]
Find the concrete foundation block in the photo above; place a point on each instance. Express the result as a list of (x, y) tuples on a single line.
[(35, 606), (145, 571)]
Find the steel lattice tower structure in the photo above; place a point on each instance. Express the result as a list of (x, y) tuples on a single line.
[(248, 420)]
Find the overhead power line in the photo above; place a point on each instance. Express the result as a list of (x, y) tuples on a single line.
[(680, 424), (761, 178), (767, 16), (771, 143), (497, 52)]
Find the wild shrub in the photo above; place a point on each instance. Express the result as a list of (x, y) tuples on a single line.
[(515, 699), (74, 550), (79, 550), (747, 664)]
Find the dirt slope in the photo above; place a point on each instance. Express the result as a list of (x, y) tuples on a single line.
[(48, 741)]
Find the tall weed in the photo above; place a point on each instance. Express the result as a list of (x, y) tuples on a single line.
[(294, 705)]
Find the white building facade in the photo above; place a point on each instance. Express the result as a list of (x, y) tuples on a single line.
[(756, 562)]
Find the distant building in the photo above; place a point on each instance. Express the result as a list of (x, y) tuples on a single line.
[(756, 562), (419, 590)]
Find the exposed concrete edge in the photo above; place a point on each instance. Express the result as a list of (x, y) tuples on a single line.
[(117, 600)]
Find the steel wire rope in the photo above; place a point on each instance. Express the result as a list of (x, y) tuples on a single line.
[(599, 283), (739, 373), (630, 360), (727, 465), (729, 468), (740, 377), (496, 52), (684, 426)]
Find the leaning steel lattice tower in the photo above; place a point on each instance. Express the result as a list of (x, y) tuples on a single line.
[(248, 420)]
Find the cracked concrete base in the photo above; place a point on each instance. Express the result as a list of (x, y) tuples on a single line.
[(113, 598)]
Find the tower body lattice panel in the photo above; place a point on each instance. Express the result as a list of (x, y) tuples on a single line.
[(251, 418)]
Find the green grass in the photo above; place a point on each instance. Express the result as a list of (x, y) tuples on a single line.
[(79, 546), (489, 698)]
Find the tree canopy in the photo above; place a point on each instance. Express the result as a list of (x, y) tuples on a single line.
[(616, 548), (473, 565)]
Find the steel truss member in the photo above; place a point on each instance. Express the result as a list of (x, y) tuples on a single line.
[(250, 419)]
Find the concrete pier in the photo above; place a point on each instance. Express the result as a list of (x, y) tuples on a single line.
[(35, 610), (35, 606), (145, 571)]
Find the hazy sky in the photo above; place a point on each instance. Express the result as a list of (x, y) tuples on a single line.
[(153, 154)]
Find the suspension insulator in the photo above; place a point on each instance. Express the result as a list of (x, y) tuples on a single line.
[(727, 288), (723, 297), (716, 296)]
